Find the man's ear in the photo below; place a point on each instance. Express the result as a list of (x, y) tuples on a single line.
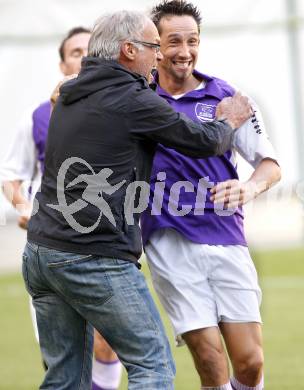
[(128, 50)]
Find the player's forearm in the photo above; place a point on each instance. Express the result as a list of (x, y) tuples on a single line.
[(267, 174), (13, 193)]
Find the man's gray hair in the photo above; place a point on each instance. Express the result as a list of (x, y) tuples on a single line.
[(112, 29)]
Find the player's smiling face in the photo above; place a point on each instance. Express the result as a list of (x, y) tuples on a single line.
[(179, 39)]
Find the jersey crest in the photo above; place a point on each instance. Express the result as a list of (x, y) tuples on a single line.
[(205, 112)]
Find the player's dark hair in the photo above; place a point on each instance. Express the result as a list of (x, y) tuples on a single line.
[(175, 8), (70, 34)]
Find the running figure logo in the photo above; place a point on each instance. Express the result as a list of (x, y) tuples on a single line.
[(97, 185)]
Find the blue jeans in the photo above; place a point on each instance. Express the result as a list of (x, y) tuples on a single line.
[(73, 293)]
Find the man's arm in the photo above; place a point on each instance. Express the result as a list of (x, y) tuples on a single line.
[(150, 116)]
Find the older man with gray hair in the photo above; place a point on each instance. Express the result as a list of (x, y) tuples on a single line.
[(80, 263)]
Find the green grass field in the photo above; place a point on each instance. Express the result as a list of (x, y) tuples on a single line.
[(282, 280)]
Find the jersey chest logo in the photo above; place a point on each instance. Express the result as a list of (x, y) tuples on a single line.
[(205, 112)]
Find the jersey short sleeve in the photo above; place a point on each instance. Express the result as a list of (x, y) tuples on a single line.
[(251, 140), (20, 161)]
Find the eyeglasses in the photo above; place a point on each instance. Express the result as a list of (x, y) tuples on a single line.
[(155, 46)]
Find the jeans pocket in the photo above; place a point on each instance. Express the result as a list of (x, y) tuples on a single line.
[(25, 274), (80, 278), (71, 259)]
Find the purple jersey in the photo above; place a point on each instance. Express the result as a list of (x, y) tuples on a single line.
[(201, 223), (41, 119)]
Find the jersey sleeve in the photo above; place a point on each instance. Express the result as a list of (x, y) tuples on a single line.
[(20, 160), (251, 140)]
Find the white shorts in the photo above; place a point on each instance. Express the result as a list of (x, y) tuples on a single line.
[(201, 285)]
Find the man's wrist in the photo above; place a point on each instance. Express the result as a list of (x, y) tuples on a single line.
[(229, 123), (226, 121)]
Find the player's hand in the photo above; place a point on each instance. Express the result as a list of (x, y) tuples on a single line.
[(235, 110), (233, 193), (23, 221), (56, 93), (25, 212)]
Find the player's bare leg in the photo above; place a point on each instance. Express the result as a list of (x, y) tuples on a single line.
[(244, 346), (106, 366), (209, 356), (102, 350)]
